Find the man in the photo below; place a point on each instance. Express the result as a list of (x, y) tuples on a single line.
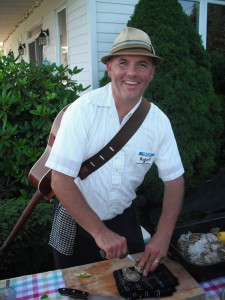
[(97, 212)]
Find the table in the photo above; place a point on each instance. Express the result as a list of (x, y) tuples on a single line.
[(102, 282), (36, 285), (213, 287)]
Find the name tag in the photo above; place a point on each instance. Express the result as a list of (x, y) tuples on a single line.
[(144, 157)]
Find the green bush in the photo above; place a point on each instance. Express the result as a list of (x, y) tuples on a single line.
[(31, 96), (183, 89), (30, 252), (218, 76)]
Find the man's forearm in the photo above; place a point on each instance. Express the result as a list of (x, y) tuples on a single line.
[(172, 203)]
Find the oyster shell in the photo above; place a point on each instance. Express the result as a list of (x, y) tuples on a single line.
[(194, 237), (137, 269), (208, 258), (201, 248), (214, 246), (215, 230), (221, 253), (183, 245), (130, 275)]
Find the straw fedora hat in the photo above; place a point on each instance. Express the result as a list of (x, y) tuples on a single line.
[(132, 41)]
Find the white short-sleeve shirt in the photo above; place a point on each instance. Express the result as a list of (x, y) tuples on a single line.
[(87, 126)]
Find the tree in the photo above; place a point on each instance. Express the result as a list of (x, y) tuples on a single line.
[(218, 75), (183, 89)]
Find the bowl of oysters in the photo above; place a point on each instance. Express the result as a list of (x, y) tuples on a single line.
[(202, 248)]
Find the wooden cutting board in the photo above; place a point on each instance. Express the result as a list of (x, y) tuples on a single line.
[(102, 281)]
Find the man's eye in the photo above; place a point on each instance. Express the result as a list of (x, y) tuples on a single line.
[(142, 65)]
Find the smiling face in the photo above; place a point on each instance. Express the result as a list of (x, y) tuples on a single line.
[(130, 76)]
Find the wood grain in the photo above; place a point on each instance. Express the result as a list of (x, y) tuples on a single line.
[(102, 281)]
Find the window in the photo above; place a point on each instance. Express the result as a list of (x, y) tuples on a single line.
[(209, 18), (216, 28), (34, 31), (35, 51), (191, 8), (62, 38)]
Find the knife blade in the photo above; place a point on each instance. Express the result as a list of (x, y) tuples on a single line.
[(102, 252), (78, 294), (131, 257), (136, 262)]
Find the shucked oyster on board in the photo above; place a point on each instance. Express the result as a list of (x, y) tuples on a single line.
[(202, 248), (130, 275)]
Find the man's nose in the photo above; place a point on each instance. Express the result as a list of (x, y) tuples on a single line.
[(131, 70)]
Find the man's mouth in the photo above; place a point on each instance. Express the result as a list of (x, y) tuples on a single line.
[(131, 82)]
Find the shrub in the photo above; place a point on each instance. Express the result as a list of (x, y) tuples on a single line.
[(30, 252), (31, 96), (218, 76)]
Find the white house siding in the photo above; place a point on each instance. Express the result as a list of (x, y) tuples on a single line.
[(92, 26), (78, 39), (43, 15), (111, 17)]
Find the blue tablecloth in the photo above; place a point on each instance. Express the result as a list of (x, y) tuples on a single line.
[(213, 287), (36, 285)]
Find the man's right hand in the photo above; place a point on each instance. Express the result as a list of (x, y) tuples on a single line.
[(112, 245)]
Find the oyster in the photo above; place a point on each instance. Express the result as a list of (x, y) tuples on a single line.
[(221, 253), (214, 246), (208, 258), (138, 269), (194, 237), (183, 245), (130, 275), (201, 248), (215, 230)]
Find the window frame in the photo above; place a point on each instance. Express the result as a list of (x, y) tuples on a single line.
[(203, 15)]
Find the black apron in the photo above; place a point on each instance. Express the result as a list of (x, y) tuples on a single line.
[(85, 249)]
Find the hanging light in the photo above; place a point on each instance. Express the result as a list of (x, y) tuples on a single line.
[(42, 39), (10, 53), (21, 49)]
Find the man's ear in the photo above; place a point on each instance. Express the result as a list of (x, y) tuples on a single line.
[(108, 65)]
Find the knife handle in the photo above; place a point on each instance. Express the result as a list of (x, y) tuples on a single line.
[(102, 253), (74, 293)]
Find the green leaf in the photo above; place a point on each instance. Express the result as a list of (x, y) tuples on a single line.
[(44, 297)]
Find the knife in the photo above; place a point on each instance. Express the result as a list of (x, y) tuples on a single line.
[(136, 262), (131, 257), (78, 294), (102, 252)]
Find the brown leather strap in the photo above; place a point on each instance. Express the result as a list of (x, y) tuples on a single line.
[(117, 142)]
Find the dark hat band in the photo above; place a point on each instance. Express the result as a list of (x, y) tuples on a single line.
[(132, 52), (133, 44)]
